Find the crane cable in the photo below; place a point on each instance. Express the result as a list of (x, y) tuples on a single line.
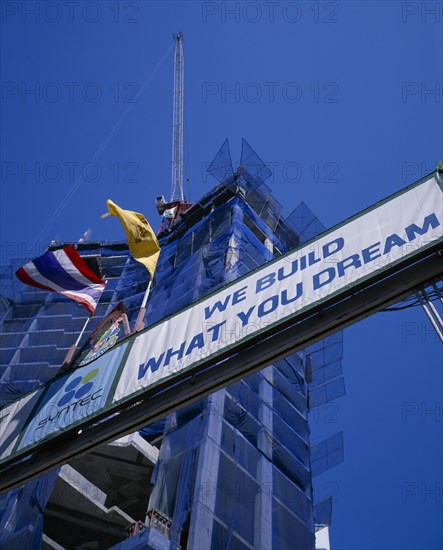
[(98, 153)]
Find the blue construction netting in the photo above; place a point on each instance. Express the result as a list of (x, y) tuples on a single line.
[(235, 469), (21, 513)]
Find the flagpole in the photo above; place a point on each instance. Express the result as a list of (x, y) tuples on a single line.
[(72, 349), (139, 323), (142, 244)]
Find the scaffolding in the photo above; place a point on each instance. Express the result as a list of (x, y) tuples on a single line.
[(233, 470)]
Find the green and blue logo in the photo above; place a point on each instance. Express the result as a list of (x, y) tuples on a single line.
[(76, 396), (78, 388)]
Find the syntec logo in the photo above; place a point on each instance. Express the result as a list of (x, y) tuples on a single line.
[(77, 394), (73, 391)]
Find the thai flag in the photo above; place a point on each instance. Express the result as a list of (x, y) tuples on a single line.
[(65, 272)]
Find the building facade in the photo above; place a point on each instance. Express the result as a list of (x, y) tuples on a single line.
[(233, 471)]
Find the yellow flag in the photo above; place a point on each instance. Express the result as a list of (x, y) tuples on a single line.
[(142, 241)]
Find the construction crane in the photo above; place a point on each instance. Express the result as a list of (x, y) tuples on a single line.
[(177, 122), (177, 205)]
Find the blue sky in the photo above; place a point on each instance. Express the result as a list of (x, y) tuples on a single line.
[(343, 99)]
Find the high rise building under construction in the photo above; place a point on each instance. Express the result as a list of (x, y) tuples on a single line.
[(231, 471)]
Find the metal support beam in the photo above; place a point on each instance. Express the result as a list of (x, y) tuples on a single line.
[(430, 310)]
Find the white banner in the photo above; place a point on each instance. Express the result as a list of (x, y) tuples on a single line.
[(361, 247), (344, 256)]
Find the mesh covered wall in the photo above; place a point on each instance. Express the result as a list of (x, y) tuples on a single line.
[(234, 470)]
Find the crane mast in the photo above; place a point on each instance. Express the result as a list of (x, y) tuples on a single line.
[(177, 125), (172, 210)]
